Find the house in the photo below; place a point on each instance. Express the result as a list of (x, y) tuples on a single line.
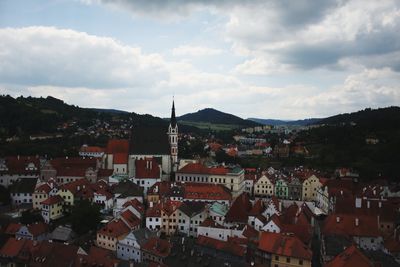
[(52, 208), (125, 191), (310, 187), (156, 250), (21, 191), (256, 211), (295, 188), (217, 211), (111, 233), (69, 169), (116, 156), (130, 247), (264, 187), (274, 206), (135, 206), (169, 216), (214, 230), (75, 191), (104, 198), (363, 230), (96, 257), (191, 215), (153, 217), (147, 172), (36, 231), (281, 250), (281, 189), (231, 177), (42, 192), (19, 167), (239, 210)]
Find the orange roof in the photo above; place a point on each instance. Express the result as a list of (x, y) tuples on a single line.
[(12, 228), (115, 228), (130, 219), (117, 146), (349, 258), (136, 204), (341, 224), (206, 191), (97, 257), (155, 211), (285, 245), (43, 188), (201, 169), (120, 158), (239, 210), (37, 228), (230, 247), (53, 200), (147, 168), (13, 247)]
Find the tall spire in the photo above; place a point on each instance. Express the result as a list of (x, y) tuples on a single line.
[(173, 118)]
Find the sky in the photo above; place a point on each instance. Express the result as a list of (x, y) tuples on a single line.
[(277, 59)]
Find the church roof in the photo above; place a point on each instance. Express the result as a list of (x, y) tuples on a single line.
[(149, 141), (173, 118)]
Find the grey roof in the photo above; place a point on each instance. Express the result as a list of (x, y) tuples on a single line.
[(379, 256), (191, 208), (335, 244), (24, 185), (127, 188), (63, 233), (149, 141), (143, 234)]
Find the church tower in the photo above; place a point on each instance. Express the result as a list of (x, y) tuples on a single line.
[(173, 138)]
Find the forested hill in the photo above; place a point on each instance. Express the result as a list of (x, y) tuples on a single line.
[(210, 115)]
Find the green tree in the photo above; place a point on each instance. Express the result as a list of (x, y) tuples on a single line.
[(85, 216)]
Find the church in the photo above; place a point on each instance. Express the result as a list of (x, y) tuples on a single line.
[(153, 143)]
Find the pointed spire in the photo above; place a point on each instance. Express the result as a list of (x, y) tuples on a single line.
[(173, 118)]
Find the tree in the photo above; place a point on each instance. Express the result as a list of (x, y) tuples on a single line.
[(4, 196), (85, 216), (29, 217)]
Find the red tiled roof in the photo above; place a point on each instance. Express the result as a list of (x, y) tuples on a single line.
[(71, 171), (367, 225), (158, 247), (130, 219), (285, 245), (351, 257), (136, 204), (211, 223), (43, 188), (38, 228), (13, 247), (74, 162), (210, 192), (239, 210), (230, 247), (53, 200), (147, 168), (201, 169), (169, 207), (117, 146), (19, 164), (155, 211), (76, 186), (257, 208), (12, 228), (392, 245), (160, 188), (96, 257), (115, 228), (120, 158), (104, 173)]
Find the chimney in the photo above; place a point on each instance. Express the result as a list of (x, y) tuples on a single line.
[(18, 157), (380, 204), (338, 219), (151, 204), (357, 222), (341, 192), (368, 204), (358, 202)]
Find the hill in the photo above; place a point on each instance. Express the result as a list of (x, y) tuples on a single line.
[(285, 122), (342, 140), (211, 117)]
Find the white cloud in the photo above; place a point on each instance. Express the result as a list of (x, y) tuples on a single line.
[(195, 51)]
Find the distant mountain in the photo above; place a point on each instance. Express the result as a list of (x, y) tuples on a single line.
[(285, 122), (210, 115)]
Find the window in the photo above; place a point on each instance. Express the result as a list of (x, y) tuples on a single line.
[(288, 260), (277, 258), (300, 262)]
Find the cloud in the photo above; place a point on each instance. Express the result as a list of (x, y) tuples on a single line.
[(195, 51), (59, 57)]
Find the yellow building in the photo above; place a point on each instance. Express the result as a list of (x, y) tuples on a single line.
[(169, 217), (52, 208), (40, 194), (264, 187), (109, 235), (70, 191), (310, 187)]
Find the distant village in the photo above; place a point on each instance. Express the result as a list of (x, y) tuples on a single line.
[(158, 209)]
